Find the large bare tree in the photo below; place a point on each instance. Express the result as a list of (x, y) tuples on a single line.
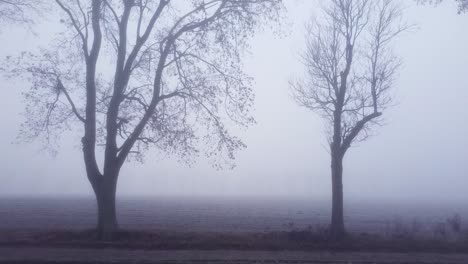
[(350, 70), (140, 74)]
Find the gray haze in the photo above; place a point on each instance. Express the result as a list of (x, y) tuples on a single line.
[(421, 154)]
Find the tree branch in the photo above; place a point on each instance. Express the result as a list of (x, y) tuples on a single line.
[(75, 24), (356, 129), (60, 87)]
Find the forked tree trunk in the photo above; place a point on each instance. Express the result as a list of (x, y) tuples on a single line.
[(107, 224), (337, 228)]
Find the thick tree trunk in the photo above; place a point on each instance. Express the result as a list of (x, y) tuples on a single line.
[(107, 224), (337, 229)]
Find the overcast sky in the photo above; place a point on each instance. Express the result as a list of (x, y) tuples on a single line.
[(421, 153)]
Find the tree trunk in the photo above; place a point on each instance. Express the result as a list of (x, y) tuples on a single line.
[(107, 224), (337, 229)]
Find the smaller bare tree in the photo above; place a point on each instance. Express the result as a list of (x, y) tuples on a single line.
[(350, 70)]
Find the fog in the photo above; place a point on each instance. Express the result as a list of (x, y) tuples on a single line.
[(421, 153)]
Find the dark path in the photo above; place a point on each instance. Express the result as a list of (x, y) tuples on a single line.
[(55, 255)]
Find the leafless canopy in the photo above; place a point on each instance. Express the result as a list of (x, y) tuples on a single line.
[(145, 73), (350, 66), (16, 11), (462, 4)]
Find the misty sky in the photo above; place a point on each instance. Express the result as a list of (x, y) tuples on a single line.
[(421, 153)]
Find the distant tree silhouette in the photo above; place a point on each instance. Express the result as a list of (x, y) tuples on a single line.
[(144, 74), (350, 70)]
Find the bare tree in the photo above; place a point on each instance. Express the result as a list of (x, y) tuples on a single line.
[(350, 70), (140, 74)]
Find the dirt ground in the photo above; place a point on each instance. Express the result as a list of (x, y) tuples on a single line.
[(33, 255)]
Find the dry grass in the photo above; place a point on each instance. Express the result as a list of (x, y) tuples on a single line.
[(308, 240)]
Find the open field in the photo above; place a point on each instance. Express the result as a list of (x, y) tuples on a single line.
[(229, 231), (220, 214)]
